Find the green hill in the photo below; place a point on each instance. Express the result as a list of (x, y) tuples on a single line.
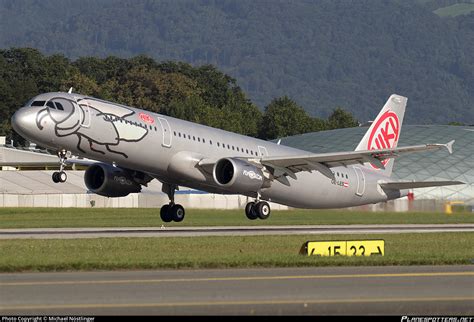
[(323, 54)]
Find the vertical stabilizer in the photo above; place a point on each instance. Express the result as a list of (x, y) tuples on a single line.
[(384, 132)]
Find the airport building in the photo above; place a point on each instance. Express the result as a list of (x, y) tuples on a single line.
[(34, 188)]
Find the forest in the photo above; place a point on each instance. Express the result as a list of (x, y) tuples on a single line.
[(199, 94), (320, 54)]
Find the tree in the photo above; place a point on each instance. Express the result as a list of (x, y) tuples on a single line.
[(283, 117), (340, 119)]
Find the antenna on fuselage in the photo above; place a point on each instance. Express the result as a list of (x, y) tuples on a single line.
[(69, 91)]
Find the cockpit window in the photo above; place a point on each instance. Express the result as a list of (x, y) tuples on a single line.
[(59, 106), (38, 103), (50, 104)]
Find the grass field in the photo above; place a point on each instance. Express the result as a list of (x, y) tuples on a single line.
[(218, 252), (222, 252), (146, 217)]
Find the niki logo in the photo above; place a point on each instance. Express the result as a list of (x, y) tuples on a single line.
[(385, 134), (252, 175), (146, 118)]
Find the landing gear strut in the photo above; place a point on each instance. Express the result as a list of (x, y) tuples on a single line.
[(171, 211), (61, 176), (259, 209)]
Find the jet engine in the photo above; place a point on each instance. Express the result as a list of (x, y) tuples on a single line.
[(238, 176), (110, 181)]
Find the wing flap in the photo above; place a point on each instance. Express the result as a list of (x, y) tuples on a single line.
[(417, 184)]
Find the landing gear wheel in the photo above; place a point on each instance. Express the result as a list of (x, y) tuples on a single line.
[(62, 176), (165, 213), (263, 210), (177, 213), (55, 177), (250, 211)]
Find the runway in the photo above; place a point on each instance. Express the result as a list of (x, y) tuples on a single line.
[(417, 290), (62, 233)]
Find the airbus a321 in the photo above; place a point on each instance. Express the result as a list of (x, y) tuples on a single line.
[(131, 147)]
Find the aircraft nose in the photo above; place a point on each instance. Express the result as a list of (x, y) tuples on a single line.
[(24, 121)]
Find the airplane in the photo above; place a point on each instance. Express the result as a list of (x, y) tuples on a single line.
[(130, 147)]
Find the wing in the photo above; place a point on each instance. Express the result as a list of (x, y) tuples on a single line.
[(417, 184), (322, 162)]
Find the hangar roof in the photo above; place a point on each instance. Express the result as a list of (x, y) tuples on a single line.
[(437, 165)]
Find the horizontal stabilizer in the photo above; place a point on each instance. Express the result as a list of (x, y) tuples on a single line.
[(417, 184)]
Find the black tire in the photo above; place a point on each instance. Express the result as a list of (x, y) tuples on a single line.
[(62, 176), (263, 210), (165, 213), (250, 211), (55, 177), (177, 213)]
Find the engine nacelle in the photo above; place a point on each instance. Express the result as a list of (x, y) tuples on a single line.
[(110, 181), (238, 176)]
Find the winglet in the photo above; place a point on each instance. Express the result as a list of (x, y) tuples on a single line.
[(449, 146)]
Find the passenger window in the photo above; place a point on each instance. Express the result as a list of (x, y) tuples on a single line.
[(50, 104), (228, 146), (203, 141), (199, 139), (233, 148), (194, 138), (189, 136), (210, 142), (218, 144), (174, 132), (247, 151), (238, 149), (179, 134)]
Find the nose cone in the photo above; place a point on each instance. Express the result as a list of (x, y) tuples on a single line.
[(24, 121)]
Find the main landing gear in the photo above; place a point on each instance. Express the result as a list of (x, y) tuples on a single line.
[(60, 176), (171, 211), (257, 209)]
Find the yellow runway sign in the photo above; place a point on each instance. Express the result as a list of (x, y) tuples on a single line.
[(346, 248)]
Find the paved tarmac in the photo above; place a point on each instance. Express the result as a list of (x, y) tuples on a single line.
[(415, 290), (62, 233)]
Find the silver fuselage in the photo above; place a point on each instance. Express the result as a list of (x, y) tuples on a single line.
[(169, 150)]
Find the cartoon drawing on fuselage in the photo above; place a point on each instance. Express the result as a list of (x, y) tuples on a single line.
[(86, 116), (132, 147)]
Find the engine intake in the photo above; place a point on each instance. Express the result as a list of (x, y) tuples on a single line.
[(109, 181), (238, 176)]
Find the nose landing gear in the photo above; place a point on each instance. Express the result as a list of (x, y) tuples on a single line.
[(61, 176)]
